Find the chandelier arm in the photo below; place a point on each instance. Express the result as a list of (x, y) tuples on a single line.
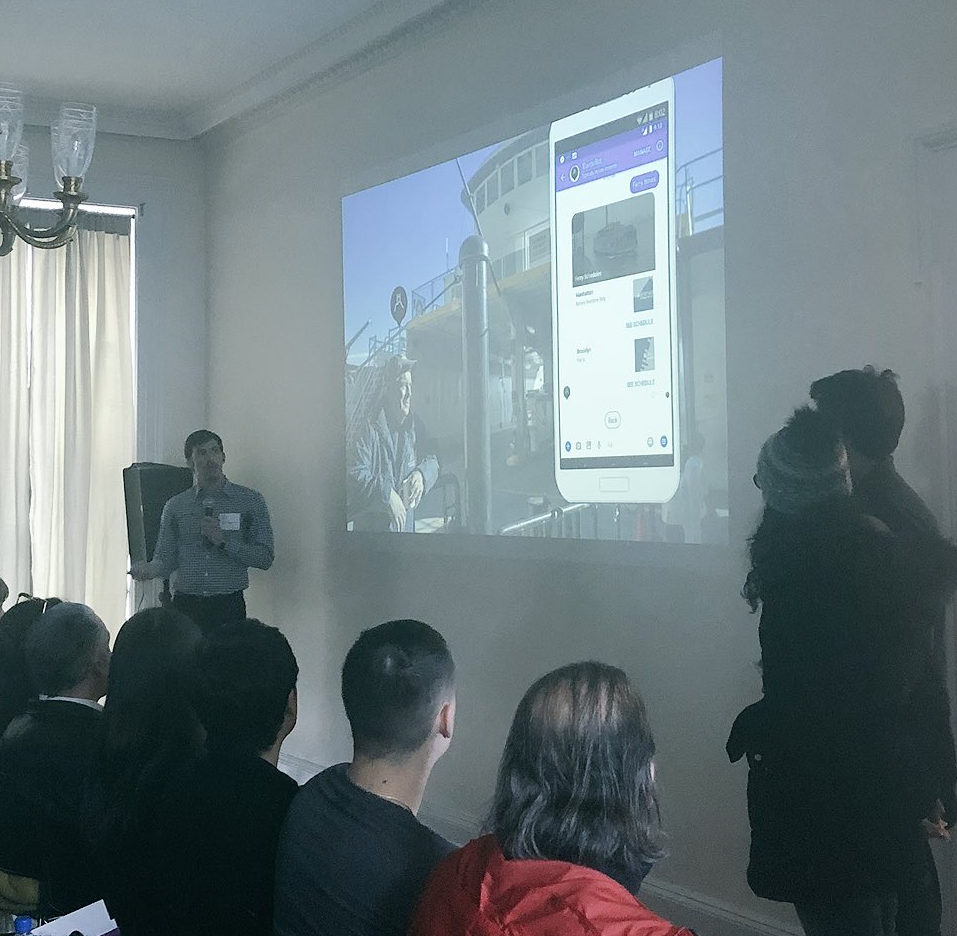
[(9, 236), (42, 237), (64, 237)]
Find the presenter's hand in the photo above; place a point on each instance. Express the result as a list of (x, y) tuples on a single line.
[(211, 531), (416, 488), (141, 571), (397, 512)]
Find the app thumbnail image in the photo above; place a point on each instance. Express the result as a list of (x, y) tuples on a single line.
[(644, 293), (644, 354), (614, 240)]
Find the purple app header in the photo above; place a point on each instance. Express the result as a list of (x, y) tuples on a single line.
[(616, 154)]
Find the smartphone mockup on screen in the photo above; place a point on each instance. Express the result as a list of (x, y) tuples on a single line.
[(614, 310)]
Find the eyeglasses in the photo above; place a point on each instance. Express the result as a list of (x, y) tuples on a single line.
[(26, 596)]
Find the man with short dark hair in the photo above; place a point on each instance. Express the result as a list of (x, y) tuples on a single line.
[(46, 754), (867, 408), (393, 463), (210, 536), (353, 858), (217, 828)]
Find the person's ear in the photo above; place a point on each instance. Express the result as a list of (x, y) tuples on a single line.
[(446, 719), (292, 712)]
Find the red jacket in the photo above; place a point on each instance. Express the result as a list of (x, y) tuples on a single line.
[(476, 891)]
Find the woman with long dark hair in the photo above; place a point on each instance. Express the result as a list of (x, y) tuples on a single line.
[(16, 684), (574, 824), (148, 727), (849, 748)]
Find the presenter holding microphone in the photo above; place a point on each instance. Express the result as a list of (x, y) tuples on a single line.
[(209, 537)]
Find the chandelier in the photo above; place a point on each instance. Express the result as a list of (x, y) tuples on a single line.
[(72, 137)]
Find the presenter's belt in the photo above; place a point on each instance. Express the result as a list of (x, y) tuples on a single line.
[(211, 611)]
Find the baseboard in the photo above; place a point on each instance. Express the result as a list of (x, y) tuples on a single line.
[(708, 917), (685, 907)]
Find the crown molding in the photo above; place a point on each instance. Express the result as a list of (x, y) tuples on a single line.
[(940, 139), (349, 48), (42, 112), (302, 68)]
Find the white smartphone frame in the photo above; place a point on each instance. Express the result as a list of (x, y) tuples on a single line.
[(636, 474)]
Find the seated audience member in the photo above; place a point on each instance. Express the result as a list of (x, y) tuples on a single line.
[(16, 684), (217, 828), (352, 856), (574, 821), (148, 728), (45, 756)]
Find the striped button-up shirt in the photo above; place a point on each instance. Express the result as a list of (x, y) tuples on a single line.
[(200, 567)]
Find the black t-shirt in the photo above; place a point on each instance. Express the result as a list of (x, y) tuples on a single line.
[(216, 832), (350, 863), (45, 759)]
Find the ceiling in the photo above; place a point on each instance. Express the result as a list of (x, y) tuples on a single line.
[(178, 68)]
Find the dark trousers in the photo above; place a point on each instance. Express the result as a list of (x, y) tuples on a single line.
[(918, 910), (853, 916), (211, 611)]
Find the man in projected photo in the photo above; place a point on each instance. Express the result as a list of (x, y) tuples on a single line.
[(393, 463)]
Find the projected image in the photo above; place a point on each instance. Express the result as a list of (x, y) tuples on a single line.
[(613, 240), (644, 294), (644, 354), (415, 460)]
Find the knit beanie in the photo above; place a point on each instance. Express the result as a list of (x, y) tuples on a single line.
[(803, 464)]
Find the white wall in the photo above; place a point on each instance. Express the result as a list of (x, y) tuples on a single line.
[(824, 103), (166, 178)]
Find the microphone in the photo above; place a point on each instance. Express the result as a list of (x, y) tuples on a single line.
[(207, 512)]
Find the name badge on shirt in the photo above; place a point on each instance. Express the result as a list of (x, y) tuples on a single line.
[(229, 521)]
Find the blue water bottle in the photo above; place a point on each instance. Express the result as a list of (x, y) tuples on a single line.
[(23, 924)]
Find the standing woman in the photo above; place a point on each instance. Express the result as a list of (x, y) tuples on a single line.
[(574, 823), (148, 728), (843, 746)]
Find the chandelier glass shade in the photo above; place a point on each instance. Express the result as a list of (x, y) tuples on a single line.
[(72, 137)]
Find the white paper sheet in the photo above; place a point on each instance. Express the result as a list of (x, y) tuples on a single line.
[(90, 921)]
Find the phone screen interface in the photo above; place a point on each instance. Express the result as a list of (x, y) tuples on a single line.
[(614, 252)]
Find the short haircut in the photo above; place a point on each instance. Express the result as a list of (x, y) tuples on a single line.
[(575, 781), (394, 680), (4, 591), (199, 437), (865, 405), (61, 647), (247, 671)]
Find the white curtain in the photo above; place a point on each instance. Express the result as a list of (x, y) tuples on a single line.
[(14, 421), (81, 421)]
